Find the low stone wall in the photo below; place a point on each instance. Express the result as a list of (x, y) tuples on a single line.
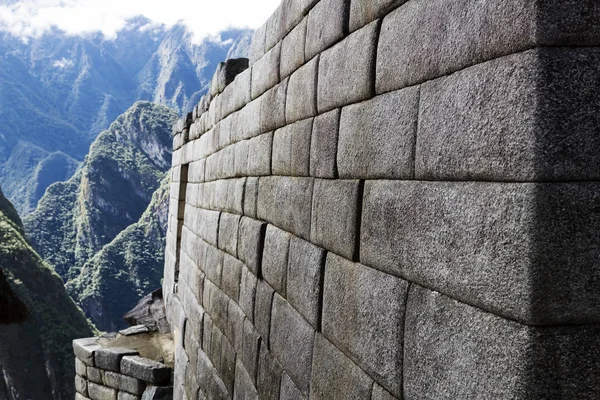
[(105, 373)]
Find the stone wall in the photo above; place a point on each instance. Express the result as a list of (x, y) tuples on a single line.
[(397, 199)]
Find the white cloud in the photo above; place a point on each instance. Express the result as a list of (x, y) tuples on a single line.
[(32, 18), (63, 63)]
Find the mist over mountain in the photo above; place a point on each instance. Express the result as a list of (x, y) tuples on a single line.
[(58, 92)]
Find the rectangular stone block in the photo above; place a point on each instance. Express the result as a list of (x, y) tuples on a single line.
[(124, 383), (532, 121), (275, 258), (80, 368), (257, 45), (206, 337), (99, 392), (84, 349), (228, 232), (129, 396), (262, 310), (146, 370), (327, 24), (504, 247), (95, 375), (228, 358), (79, 396), (292, 341), (347, 70), (239, 91), (196, 171), (286, 203), (377, 137), (324, 144), (216, 347), (272, 107), (110, 358), (250, 197), (240, 163), (212, 385), (216, 304), (292, 50), (248, 293), (274, 28), (447, 340), (204, 223), (333, 372), (213, 264), (291, 149), (232, 272), (250, 344), (363, 12), (259, 155), (235, 325), (269, 375), (81, 386), (244, 388), (301, 102), (265, 71), (305, 279), (363, 315), (250, 243), (335, 216)]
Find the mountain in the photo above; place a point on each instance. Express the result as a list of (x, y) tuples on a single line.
[(58, 92), (125, 270), (36, 360)]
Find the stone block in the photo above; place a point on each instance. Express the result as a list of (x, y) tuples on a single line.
[(81, 385), (250, 345), (380, 393), (335, 213), (305, 279), (291, 149), (213, 264), (95, 375), (248, 293), (240, 163), (110, 358), (216, 347), (212, 385), (84, 349), (301, 102), (324, 144), (228, 232), (235, 325), (250, 197), (216, 304), (269, 375), (265, 71), (377, 137), (333, 372), (262, 310), (292, 342), (207, 334), (292, 50), (99, 392), (78, 396), (259, 155), (363, 314), (246, 122), (240, 91), (289, 391), (275, 258), (80, 368), (129, 396), (204, 223), (257, 45), (447, 341), (124, 383), (226, 73), (286, 203), (232, 271), (250, 243), (532, 120), (272, 107), (244, 388), (158, 393), (364, 12), (507, 248), (327, 24), (347, 70), (228, 358), (146, 370), (274, 28)]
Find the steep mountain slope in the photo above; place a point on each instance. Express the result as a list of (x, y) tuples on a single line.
[(110, 191), (126, 269), (36, 359), (58, 92)]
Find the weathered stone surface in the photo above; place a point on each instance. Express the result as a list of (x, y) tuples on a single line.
[(275, 258), (377, 137), (110, 358), (248, 293), (380, 393), (272, 107), (257, 45), (226, 73), (250, 345), (363, 315), (124, 383), (99, 392), (232, 272), (228, 358), (286, 203), (301, 102), (134, 330), (204, 223), (289, 391), (364, 12), (250, 197), (213, 264), (292, 50), (334, 217), (78, 396), (292, 342), (333, 372), (246, 122), (210, 382), (238, 93), (262, 310), (291, 149), (250, 243), (129, 396), (158, 393), (146, 370), (228, 232), (84, 349), (244, 388), (532, 120), (327, 24), (305, 279), (95, 375), (265, 72), (206, 335), (504, 247), (80, 368), (347, 70), (235, 325), (274, 28), (81, 385), (324, 144), (269, 375), (259, 155)]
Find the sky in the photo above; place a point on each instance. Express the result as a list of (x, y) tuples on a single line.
[(32, 18)]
